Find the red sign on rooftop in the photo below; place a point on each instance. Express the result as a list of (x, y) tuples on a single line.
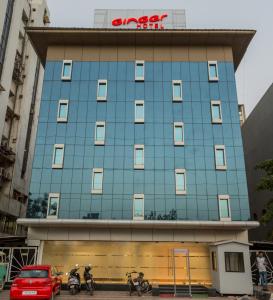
[(144, 22)]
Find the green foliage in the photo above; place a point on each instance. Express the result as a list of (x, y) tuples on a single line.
[(266, 184)]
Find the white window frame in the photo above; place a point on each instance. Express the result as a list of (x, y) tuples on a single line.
[(57, 166), (142, 77), (178, 192), (139, 102), (175, 125), (60, 119), (101, 123), (137, 197), (224, 197), (67, 78), (216, 148), (102, 81), (213, 62), (136, 166), (53, 195), (177, 99), (214, 103), (96, 191)]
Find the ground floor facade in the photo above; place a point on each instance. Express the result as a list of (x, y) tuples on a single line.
[(214, 254)]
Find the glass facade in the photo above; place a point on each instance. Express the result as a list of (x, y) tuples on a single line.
[(120, 180)]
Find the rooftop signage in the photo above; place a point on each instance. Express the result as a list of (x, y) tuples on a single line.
[(144, 22)]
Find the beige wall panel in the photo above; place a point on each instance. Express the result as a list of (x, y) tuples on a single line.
[(205, 236), (197, 54), (57, 234), (180, 53), (215, 53), (184, 235), (162, 235), (100, 234), (74, 53), (228, 53), (75, 234), (109, 53), (37, 233), (126, 53), (55, 53), (90, 53), (162, 54), (142, 235), (145, 53), (121, 235), (242, 236), (224, 235)]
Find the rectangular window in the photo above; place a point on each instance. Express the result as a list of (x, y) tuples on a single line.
[(139, 157), (139, 111), (58, 156), (180, 181), (234, 262), (138, 207), (177, 90), (67, 70), (213, 261), (100, 133), (97, 180), (178, 132), (53, 205), (62, 111), (216, 112), (220, 157), (224, 207), (213, 71), (139, 70), (102, 90)]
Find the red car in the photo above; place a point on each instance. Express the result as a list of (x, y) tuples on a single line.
[(36, 282)]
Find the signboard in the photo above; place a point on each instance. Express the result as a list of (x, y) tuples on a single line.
[(152, 19)]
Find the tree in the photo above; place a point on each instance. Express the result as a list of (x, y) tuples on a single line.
[(266, 184)]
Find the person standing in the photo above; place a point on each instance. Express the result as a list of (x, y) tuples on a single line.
[(261, 265)]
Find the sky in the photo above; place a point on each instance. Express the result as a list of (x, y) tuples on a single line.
[(255, 73)]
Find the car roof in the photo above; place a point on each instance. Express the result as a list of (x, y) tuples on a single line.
[(37, 267)]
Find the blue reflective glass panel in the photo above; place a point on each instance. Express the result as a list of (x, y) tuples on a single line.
[(63, 110), (213, 71)]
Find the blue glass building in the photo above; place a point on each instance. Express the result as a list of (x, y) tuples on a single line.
[(138, 142)]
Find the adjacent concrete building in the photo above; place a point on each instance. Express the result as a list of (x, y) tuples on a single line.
[(21, 75), (257, 134)]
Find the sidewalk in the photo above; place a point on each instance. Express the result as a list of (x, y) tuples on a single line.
[(99, 295)]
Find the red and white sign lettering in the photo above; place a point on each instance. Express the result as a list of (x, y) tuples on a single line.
[(144, 22)]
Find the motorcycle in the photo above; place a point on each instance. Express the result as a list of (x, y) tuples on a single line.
[(74, 281), (138, 284), (89, 281)]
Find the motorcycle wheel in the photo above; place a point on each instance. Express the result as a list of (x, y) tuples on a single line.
[(73, 291), (139, 291)]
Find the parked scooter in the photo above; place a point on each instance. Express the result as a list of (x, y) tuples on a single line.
[(138, 284), (74, 281), (89, 281)]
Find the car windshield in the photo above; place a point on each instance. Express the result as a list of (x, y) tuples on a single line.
[(33, 274)]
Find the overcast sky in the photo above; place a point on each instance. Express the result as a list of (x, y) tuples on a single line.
[(255, 73)]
